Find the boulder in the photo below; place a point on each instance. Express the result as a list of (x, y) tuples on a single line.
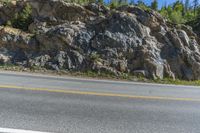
[(4, 59), (58, 11), (39, 61)]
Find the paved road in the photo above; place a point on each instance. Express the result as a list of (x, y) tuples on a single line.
[(73, 105)]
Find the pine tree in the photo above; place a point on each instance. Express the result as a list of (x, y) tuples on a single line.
[(195, 2), (154, 5)]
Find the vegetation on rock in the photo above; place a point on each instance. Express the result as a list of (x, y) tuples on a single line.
[(177, 12), (22, 19)]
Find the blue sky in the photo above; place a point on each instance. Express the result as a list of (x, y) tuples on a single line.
[(161, 2)]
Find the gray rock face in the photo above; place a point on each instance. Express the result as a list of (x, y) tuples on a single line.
[(131, 40), (97, 9), (39, 61), (5, 56)]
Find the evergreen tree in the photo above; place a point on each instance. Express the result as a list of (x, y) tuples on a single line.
[(195, 2), (154, 5)]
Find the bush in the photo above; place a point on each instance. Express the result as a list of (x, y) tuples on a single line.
[(22, 19), (176, 17), (113, 5), (94, 57)]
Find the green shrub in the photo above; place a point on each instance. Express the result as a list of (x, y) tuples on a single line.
[(5, 2), (113, 5), (94, 57), (176, 17), (22, 19)]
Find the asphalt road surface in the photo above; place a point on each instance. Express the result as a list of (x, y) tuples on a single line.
[(30, 103)]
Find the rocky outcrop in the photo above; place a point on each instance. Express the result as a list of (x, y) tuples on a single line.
[(65, 36), (195, 24)]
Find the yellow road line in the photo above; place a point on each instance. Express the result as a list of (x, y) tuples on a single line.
[(99, 94)]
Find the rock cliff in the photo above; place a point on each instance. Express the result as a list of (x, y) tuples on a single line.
[(66, 36)]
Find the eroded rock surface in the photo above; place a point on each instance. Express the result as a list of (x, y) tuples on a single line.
[(65, 36)]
